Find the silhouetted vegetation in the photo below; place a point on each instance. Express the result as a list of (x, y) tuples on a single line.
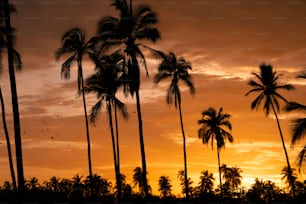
[(116, 52)]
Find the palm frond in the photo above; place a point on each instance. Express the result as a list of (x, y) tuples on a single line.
[(17, 60), (95, 110), (161, 76), (121, 107), (288, 87), (292, 106), (301, 157), (188, 81), (151, 34), (65, 72), (298, 128), (256, 103)]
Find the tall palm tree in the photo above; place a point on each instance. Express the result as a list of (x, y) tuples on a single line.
[(8, 143), (212, 129), (176, 69), (165, 186), (105, 83), (14, 61), (74, 43), (298, 125), (267, 86), (128, 30)]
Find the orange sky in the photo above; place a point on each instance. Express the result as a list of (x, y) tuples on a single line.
[(224, 40)]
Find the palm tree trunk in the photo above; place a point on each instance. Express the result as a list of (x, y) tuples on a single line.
[(142, 148), (109, 107), (8, 143), (86, 121), (286, 154), (18, 145), (118, 151), (219, 168), (185, 154)]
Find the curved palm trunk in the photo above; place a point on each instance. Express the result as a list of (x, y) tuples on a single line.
[(185, 154), (18, 145), (8, 143), (86, 121), (118, 152), (142, 148), (136, 85), (109, 107), (286, 154), (219, 168)]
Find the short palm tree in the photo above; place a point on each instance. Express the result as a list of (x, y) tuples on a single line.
[(165, 186), (176, 69), (212, 130), (232, 175), (267, 86), (286, 175), (105, 83), (74, 43), (128, 30), (206, 183)]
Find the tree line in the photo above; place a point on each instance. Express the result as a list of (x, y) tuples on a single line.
[(117, 51)]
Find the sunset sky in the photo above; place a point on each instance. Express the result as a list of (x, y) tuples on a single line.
[(225, 41)]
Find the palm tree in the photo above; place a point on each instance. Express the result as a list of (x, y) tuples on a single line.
[(212, 129), (298, 125), (32, 184), (232, 176), (286, 175), (181, 176), (268, 87), (206, 183), (74, 42), (176, 69), (14, 61), (105, 83), (8, 143), (138, 180), (164, 186), (132, 26)]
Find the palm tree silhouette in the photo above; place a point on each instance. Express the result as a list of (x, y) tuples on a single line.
[(181, 176), (8, 143), (286, 173), (232, 175), (206, 183), (14, 61), (128, 30), (74, 42), (267, 86), (212, 129), (298, 125), (105, 83), (164, 186), (177, 70)]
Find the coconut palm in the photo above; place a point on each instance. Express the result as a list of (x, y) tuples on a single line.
[(128, 30), (176, 69), (286, 175), (14, 61), (206, 183), (212, 130), (267, 86), (105, 83), (8, 143), (74, 43), (181, 176), (165, 186), (232, 175)]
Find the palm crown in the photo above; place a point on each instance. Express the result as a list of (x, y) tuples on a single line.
[(212, 127), (176, 69), (267, 86)]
